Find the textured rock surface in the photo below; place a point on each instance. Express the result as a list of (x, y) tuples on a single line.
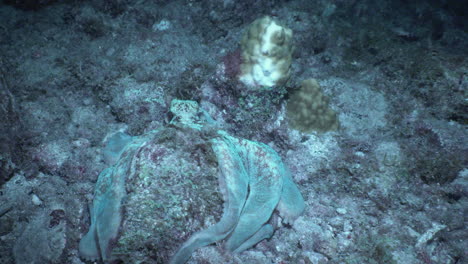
[(395, 72)]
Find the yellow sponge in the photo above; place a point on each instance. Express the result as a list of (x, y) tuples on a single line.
[(266, 54)]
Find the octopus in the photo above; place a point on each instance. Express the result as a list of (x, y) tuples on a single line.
[(253, 180)]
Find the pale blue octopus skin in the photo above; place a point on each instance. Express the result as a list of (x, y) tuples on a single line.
[(254, 182), (106, 210)]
